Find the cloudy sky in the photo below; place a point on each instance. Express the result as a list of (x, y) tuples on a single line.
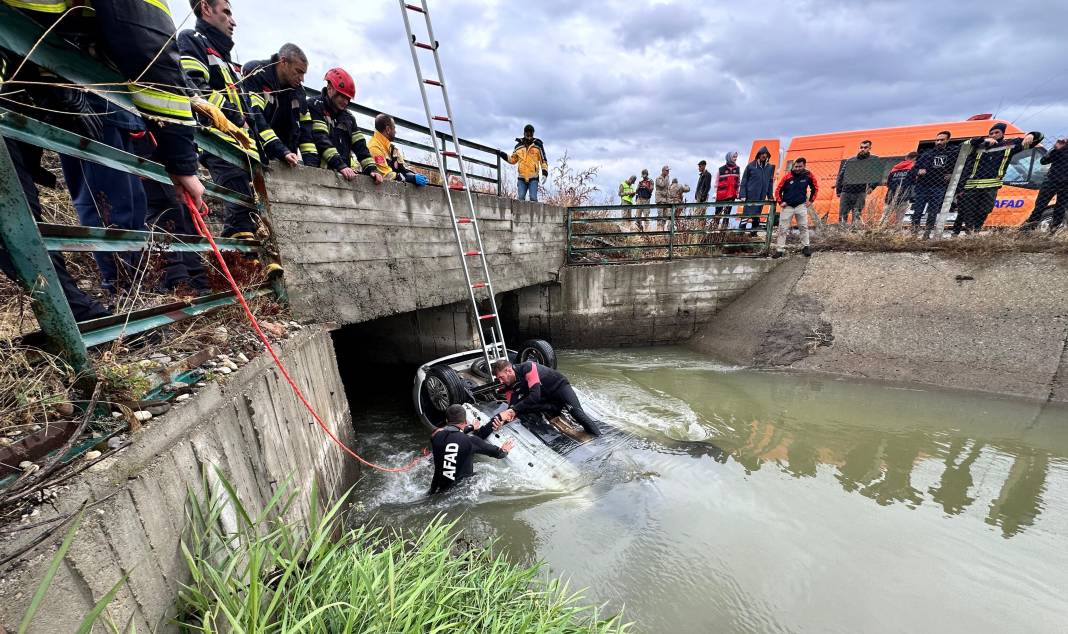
[(627, 85)]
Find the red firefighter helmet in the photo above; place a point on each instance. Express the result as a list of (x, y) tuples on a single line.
[(341, 81)]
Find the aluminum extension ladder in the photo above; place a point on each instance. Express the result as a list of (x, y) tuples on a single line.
[(492, 343)]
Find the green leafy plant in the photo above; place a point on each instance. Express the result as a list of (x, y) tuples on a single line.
[(269, 575)]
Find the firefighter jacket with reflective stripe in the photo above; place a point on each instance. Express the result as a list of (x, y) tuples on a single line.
[(211, 72), (279, 114), (136, 36), (338, 141), (989, 164), (388, 158), (530, 159)]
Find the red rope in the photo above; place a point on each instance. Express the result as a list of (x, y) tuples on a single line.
[(205, 232)]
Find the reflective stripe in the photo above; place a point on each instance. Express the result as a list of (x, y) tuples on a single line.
[(983, 183), (357, 136), (257, 101), (309, 148), (216, 98), (42, 6), (161, 5), (251, 152), (194, 64), (159, 102), (268, 135), (319, 126), (328, 153), (367, 162), (305, 117)]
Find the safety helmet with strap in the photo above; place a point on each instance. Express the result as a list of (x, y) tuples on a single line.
[(341, 81)]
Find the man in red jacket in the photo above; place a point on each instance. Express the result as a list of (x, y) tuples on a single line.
[(795, 194)]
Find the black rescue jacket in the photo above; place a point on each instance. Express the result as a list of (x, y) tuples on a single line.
[(338, 142), (535, 387), (279, 114), (454, 451)]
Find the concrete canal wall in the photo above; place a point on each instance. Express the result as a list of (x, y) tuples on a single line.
[(630, 304), (996, 324), (252, 428)]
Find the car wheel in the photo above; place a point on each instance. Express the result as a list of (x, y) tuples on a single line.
[(537, 350), (443, 387)]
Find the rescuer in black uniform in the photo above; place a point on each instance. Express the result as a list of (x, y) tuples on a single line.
[(533, 387), (340, 144), (454, 450), (983, 174)]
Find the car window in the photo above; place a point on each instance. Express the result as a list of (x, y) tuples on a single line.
[(1020, 168)]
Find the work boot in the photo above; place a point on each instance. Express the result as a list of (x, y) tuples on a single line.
[(777, 255), (806, 251)]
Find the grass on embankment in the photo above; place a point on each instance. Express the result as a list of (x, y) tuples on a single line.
[(275, 576)]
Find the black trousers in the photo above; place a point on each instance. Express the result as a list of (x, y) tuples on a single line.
[(973, 208), (236, 219), (83, 306), (565, 396), (1046, 194), (165, 213)]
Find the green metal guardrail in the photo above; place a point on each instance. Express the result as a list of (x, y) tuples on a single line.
[(29, 243), (674, 224)]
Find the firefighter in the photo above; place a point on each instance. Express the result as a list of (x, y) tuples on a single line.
[(339, 143), (211, 71), (532, 387), (388, 157), (983, 174), (529, 154), (135, 35), (278, 107), (454, 449)]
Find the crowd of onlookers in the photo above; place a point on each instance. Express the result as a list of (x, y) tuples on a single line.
[(919, 187)]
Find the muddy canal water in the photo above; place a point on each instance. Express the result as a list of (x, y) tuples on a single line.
[(748, 501)]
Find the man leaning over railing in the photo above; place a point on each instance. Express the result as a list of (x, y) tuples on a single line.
[(387, 155), (135, 35), (278, 108), (212, 72), (340, 144)]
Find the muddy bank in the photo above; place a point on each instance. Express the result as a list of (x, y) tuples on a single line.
[(997, 324)]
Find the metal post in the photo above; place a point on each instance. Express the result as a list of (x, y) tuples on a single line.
[(951, 190), (671, 233), (570, 211), (500, 180), (769, 228), (22, 241)]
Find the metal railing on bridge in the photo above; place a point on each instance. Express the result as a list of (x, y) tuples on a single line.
[(605, 234), (486, 159)]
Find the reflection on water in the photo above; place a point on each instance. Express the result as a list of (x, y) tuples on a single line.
[(872, 436), (772, 502)]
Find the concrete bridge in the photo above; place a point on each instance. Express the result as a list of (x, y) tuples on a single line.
[(383, 258)]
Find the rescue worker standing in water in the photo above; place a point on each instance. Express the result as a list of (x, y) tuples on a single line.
[(454, 450), (533, 387)]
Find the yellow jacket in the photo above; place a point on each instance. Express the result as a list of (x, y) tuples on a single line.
[(388, 157), (531, 159)]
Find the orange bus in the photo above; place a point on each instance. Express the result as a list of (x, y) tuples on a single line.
[(826, 154)]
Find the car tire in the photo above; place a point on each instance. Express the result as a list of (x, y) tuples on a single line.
[(443, 387), (537, 350)]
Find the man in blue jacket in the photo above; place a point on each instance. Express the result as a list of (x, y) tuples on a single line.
[(795, 194), (758, 181)]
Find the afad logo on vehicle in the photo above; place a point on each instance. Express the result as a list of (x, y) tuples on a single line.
[(1009, 203)]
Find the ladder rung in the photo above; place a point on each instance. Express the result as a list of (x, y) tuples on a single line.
[(478, 285), (432, 82), (450, 153), (463, 221), (440, 118), (484, 317), (412, 7), (472, 253), (428, 47)]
